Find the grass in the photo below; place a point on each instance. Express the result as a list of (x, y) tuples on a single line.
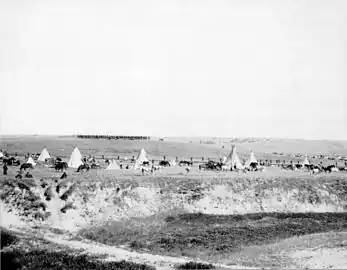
[(63, 146), (200, 235), (45, 258), (41, 259)]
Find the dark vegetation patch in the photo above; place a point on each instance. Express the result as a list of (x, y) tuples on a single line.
[(195, 265), (7, 238), (41, 259), (193, 234)]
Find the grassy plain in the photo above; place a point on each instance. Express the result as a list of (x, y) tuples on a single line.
[(251, 237)]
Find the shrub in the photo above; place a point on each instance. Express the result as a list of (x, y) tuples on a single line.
[(195, 265)]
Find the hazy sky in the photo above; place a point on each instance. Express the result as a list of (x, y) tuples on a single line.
[(174, 68)]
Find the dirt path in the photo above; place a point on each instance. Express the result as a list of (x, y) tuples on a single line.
[(109, 253)]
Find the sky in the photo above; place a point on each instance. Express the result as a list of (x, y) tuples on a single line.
[(238, 68)]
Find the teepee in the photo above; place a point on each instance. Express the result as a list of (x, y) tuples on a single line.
[(251, 160), (1, 154), (305, 162), (173, 163), (44, 154), (31, 161), (232, 159), (140, 159), (75, 159), (113, 165)]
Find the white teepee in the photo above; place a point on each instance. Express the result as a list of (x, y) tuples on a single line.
[(233, 160), (1, 154), (113, 165), (44, 154), (173, 163), (140, 159), (31, 161), (305, 162), (251, 160), (75, 159)]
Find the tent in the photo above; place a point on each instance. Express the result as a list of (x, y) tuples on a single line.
[(44, 154), (173, 163), (140, 159), (233, 160), (31, 161), (75, 159), (305, 162), (113, 165), (1, 154), (251, 160)]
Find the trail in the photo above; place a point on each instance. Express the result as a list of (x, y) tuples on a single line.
[(13, 223)]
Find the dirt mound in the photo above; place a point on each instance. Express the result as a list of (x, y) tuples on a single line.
[(73, 205), (271, 195)]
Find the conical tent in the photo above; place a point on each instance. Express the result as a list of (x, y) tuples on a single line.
[(140, 159), (251, 160), (305, 162), (113, 165), (75, 159), (232, 159), (1, 154), (44, 155), (31, 161), (142, 156), (173, 163)]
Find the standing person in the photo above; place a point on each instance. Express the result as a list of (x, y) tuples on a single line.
[(5, 168)]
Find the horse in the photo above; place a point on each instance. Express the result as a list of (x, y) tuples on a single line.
[(12, 161), (185, 162), (330, 168), (60, 166), (25, 166), (95, 166), (83, 167), (314, 169), (164, 163), (211, 165), (28, 175), (145, 170)]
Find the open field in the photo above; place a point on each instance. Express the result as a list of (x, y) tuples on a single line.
[(266, 219), (183, 148)]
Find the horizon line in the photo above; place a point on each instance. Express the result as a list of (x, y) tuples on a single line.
[(188, 137)]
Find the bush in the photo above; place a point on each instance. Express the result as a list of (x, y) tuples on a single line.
[(195, 265)]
